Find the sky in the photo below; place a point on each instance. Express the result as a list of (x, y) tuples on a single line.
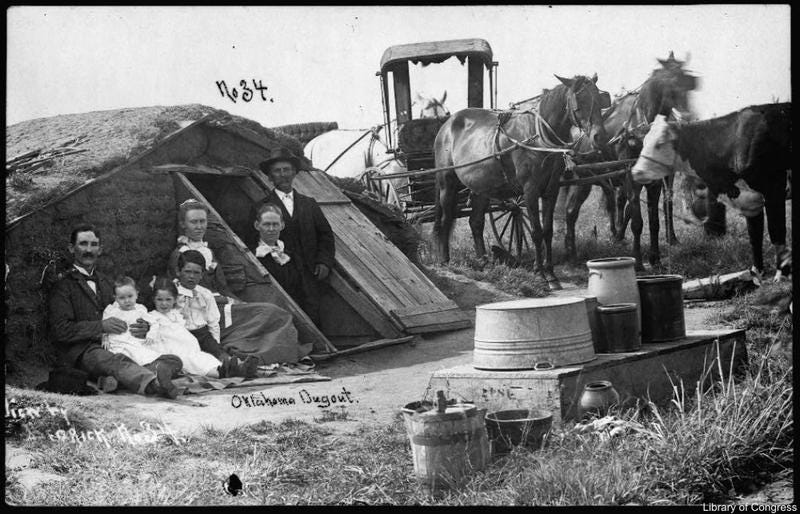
[(319, 63)]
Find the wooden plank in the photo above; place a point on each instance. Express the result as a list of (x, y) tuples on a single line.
[(316, 185), (198, 169), (377, 319), (380, 257), (438, 327), (252, 189), (371, 278), (425, 309), (317, 337), (393, 258), (261, 179), (452, 318), (373, 345)]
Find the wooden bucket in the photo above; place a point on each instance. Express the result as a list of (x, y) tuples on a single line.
[(447, 446), (535, 333)]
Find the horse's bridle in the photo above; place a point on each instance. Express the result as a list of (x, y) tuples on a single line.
[(573, 109), (669, 167)]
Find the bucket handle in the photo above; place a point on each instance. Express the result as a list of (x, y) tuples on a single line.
[(595, 272), (540, 366)]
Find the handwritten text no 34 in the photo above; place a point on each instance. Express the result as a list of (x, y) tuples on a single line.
[(247, 93)]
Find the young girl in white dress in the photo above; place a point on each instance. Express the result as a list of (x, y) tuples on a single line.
[(168, 333)]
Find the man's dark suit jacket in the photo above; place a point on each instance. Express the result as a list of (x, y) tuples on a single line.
[(307, 234), (76, 313)]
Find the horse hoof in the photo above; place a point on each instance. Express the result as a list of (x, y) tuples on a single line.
[(539, 280), (479, 265), (552, 282)]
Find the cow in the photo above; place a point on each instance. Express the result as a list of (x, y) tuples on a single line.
[(745, 155)]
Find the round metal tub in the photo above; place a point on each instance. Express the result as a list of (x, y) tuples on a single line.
[(534, 333)]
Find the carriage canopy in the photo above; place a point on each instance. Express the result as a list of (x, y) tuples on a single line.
[(437, 51)]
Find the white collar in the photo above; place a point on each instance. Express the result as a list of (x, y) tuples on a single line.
[(82, 270), (281, 194), (278, 244), (191, 244), (185, 291)]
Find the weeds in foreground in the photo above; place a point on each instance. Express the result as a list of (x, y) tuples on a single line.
[(704, 447)]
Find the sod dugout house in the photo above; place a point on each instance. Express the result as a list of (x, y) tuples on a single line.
[(127, 170)]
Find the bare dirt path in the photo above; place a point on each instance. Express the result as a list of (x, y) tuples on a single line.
[(367, 387)]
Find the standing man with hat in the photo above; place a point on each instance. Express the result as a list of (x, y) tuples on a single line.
[(307, 234)]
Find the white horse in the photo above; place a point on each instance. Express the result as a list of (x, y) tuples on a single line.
[(356, 153)]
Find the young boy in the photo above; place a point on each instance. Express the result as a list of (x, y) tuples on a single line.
[(199, 309)]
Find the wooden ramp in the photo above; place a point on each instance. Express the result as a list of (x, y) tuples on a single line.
[(372, 275)]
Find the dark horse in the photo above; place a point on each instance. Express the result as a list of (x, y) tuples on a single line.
[(533, 168), (626, 122), (744, 155)]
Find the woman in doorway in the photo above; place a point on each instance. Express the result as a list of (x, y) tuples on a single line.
[(260, 329)]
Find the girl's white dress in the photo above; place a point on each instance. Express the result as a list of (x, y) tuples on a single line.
[(125, 343), (168, 334)]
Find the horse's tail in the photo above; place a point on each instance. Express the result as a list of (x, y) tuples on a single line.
[(443, 158)]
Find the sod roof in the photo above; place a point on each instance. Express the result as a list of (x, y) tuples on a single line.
[(98, 141)]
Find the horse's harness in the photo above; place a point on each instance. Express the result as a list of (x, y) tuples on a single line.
[(544, 133)]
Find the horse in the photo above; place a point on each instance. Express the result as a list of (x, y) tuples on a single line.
[(743, 155), (626, 122), (353, 153), (500, 155)]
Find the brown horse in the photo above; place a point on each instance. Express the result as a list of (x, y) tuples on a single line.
[(626, 122), (527, 166)]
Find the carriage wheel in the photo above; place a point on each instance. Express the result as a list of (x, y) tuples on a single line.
[(512, 229)]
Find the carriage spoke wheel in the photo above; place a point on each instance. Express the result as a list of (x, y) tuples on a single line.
[(512, 230)]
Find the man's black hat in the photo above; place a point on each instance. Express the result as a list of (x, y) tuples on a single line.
[(280, 154)]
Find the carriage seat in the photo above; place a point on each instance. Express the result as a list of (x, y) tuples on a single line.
[(415, 140)]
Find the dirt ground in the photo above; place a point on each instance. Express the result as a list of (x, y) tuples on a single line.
[(374, 385)]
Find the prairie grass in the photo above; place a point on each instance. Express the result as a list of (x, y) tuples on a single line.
[(707, 445)]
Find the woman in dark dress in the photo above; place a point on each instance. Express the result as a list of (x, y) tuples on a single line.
[(282, 264)]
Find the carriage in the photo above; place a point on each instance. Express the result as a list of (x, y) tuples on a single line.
[(412, 141)]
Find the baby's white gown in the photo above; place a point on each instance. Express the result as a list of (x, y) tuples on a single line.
[(125, 343), (169, 335)]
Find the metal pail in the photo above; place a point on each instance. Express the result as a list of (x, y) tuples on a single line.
[(517, 427), (534, 333), (662, 308), (620, 327)]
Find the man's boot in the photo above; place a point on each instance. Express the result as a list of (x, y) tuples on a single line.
[(233, 367), (107, 384), (162, 385)]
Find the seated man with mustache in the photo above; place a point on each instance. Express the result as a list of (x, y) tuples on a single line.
[(76, 322)]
